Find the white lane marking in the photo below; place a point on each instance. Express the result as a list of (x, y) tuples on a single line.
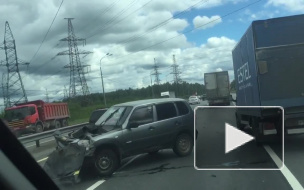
[(129, 162), (96, 184), (43, 159), (40, 143), (292, 180)]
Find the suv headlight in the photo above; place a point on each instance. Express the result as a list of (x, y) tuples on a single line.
[(84, 143)]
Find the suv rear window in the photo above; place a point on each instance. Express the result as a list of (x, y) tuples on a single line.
[(182, 108), (165, 111)]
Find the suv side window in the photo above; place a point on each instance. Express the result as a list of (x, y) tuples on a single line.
[(142, 115), (165, 111), (182, 108)]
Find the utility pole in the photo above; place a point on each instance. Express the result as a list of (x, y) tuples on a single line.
[(65, 92), (47, 96), (103, 92), (78, 83), (176, 74), (14, 88), (152, 86)]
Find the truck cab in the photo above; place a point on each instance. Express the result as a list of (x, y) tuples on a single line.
[(20, 118)]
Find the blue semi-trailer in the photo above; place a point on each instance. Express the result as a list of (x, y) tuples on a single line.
[(268, 66)]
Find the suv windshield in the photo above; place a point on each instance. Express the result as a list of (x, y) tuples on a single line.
[(96, 115), (16, 114), (111, 116)]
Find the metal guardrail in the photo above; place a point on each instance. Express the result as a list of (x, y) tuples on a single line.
[(39, 136)]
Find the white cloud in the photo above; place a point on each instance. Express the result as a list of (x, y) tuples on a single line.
[(204, 22), (290, 5), (249, 16)]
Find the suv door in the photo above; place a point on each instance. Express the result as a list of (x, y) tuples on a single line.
[(186, 116), (141, 138), (167, 123)]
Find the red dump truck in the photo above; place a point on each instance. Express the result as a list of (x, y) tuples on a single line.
[(36, 116)]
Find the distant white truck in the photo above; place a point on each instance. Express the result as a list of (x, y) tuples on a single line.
[(217, 88), (167, 94)]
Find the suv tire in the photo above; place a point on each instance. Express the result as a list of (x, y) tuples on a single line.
[(183, 145), (106, 162)]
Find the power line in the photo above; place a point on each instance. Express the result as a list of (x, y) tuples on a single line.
[(103, 12), (116, 16), (47, 32), (110, 26), (190, 30), (163, 23)]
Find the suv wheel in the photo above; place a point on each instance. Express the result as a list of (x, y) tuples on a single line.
[(106, 162), (183, 145)]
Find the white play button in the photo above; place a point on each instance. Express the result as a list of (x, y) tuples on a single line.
[(235, 138)]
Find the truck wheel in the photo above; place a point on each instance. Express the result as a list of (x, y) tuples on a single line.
[(183, 145), (64, 123), (57, 124), (106, 162), (258, 136), (39, 128)]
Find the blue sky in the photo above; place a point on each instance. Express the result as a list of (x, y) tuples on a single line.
[(234, 25)]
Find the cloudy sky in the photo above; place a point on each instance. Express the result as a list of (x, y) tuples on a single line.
[(200, 33)]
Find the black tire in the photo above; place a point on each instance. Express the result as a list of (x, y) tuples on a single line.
[(39, 128), (153, 152), (258, 136), (57, 124), (64, 123), (183, 145), (106, 162)]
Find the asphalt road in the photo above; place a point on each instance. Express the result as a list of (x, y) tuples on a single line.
[(210, 145), (167, 171)]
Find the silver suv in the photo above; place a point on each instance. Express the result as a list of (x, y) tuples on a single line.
[(132, 128)]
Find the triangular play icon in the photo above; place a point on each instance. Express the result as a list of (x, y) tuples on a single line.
[(235, 138)]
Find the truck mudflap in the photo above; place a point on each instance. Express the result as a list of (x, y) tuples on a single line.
[(294, 123), (268, 128), (65, 163)]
